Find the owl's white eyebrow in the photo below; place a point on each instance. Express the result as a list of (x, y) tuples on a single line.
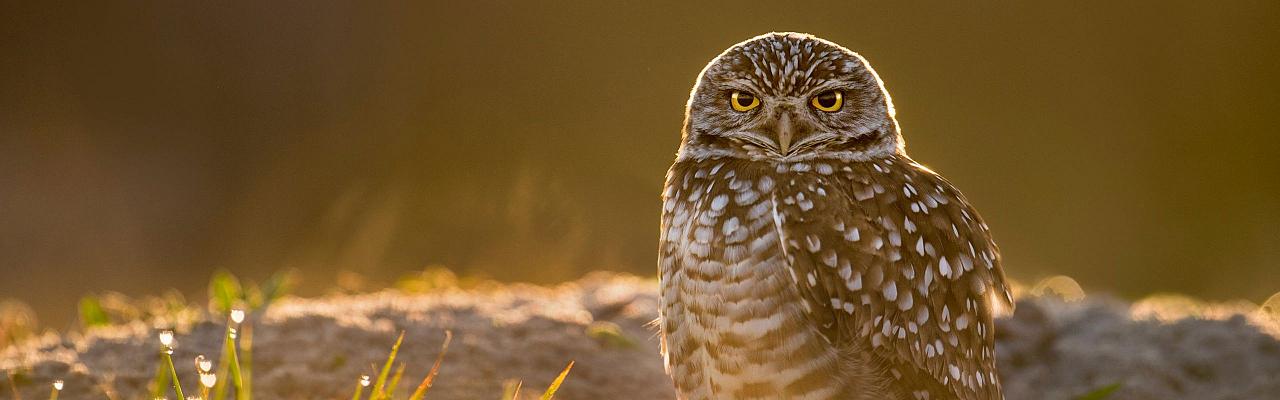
[(743, 84), (748, 84)]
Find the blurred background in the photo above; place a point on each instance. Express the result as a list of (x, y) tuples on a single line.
[(1131, 146)]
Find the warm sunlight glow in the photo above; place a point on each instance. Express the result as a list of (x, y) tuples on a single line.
[(1062, 286)]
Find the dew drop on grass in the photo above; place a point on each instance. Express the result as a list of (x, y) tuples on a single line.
[(57, 385), (364, 380), (208, 380), (203, 364), (237, 316), (166, 338)]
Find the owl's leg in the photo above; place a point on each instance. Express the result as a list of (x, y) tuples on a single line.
[(907, 382), (863, 378)]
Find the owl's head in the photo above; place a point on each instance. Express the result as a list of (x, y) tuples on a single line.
[(789, 96)]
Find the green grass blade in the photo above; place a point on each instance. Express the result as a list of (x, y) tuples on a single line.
[(173, 373), (395, 381), (435, 369), (1100, 393), (359, 389), (224, 367), (92, 314), (610, 334), (279, 285), (229, 369), (555, 385), (224, 292), (379, 386), (511, 389), (246, 364), (237, 379), (161, 381)]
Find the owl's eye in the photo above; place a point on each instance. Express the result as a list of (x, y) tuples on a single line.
[(743, 101), (828, 101)]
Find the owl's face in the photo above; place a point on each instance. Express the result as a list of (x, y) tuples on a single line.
[(789, 96)]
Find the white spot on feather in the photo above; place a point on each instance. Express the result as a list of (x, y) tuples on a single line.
[(905, 301), (814, 243), (719, 202), (962, 321), (890, 291), (730, 225), (856, 283), (852, 235), (765, 184)]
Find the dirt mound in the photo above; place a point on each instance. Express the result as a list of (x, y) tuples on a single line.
[(317, 348)]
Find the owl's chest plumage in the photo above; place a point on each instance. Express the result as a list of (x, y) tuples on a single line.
[(825, 279), (735, 324)]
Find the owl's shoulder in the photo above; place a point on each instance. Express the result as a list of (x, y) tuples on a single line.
[(903, 260)]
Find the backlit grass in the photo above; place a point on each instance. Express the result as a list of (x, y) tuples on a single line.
[(240, 306)]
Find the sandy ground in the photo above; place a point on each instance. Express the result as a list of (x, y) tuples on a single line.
[(316, 348)]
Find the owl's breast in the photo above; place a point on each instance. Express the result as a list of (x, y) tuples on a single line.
[(733, 324)]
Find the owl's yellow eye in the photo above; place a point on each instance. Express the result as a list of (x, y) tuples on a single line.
[(828, 101), (743, 101)]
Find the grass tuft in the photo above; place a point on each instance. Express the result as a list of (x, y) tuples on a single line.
[(1100, 393), (395, 381), (160, 382), (166, 359), (555, 385), (511, 389), (609, 334), (421, 392), (92, 314), (229, 365), (360, 385), (56, 388), (379, 388), (240, 304)]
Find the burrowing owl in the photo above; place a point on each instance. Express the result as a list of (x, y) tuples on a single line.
[(804, 255)]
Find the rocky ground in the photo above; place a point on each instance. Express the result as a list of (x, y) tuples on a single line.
[(316, 348)]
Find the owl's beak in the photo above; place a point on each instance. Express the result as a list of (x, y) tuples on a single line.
[(786, 132)]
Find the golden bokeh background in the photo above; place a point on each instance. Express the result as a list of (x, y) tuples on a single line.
[(1131, 145)]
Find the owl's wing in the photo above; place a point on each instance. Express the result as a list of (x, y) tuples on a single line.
[(889, 257)]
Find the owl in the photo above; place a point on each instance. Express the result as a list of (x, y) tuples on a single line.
[(804, 255)]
